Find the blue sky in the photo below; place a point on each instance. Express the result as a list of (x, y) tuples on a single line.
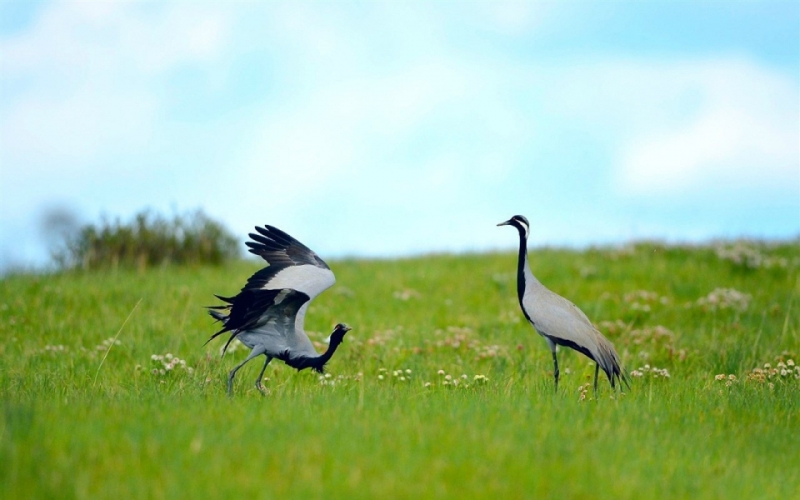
[(387, 128)]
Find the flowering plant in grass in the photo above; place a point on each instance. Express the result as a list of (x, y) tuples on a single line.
[(464, 339), (108, 344), (399, 375), (583, 392), (163, 364), (406, 294), (648, 371), (747, 255), (727, 379), (725, 298), (329, 380), (643, 301), (54, 349), (650, 342), (61, 349), (785, 371), (463, 381)]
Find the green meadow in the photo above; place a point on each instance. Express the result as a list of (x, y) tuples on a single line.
[(441, 390)]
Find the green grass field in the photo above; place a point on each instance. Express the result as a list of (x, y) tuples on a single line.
[(441, 389)]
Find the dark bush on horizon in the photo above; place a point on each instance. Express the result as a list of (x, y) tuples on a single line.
[(148, 240)]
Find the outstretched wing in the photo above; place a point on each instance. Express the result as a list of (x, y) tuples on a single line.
[(291, 264), (254, 309)]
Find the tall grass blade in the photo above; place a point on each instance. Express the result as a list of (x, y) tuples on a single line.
[(110, 344)]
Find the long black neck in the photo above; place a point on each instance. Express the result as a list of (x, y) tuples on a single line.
[(325, 357), (316, 363), (523, 254)]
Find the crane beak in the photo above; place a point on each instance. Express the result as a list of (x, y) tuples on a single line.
[(506, 223)]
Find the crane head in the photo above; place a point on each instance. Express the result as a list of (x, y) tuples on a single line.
[(519, 222), (338, 333)]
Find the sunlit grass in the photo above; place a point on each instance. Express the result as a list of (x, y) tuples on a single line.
[(440, 390)]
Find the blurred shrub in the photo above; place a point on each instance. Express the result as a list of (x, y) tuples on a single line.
[(147, 240)]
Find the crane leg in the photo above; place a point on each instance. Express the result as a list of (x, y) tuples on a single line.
[(555, 368), (596, 370), (261, 375), (256, 352), (553, 349)]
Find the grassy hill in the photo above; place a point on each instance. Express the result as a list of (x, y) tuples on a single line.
[(441, 389)]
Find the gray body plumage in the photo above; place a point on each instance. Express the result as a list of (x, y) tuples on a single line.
[(560, 321), (268, 314), (275, 331)]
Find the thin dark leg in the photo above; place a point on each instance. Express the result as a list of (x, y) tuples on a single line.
[(253, 354), (261, 375), (596, 371), (230, 379), (555, 368)]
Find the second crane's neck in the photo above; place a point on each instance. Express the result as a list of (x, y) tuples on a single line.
[(326, 356), (316, 363), (524, 275)]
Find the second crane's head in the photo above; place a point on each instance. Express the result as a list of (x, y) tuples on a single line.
[(338, 334), (519, 222)]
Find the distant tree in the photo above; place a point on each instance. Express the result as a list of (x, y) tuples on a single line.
[(148, 240), (58, 224)]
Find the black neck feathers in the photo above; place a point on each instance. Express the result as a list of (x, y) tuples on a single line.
[(523, 254), (316, 363)]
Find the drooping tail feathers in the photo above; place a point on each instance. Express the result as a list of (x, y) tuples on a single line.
[(217, 315), (610, 364)]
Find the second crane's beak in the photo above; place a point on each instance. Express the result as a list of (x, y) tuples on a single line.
[(506, 223)]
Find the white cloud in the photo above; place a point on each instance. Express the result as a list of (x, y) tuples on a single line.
[(514, 17), (67, 133), (83, 78), (366, 130), (723, 147), (73, 37), (742, 132)]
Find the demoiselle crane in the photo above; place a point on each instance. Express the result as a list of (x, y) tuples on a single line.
[(560, 321), (268, 314)]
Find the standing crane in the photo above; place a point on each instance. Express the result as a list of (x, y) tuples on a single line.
[(560, 321)]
